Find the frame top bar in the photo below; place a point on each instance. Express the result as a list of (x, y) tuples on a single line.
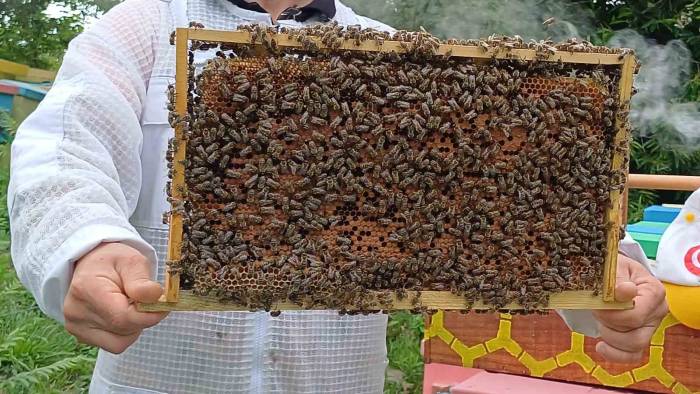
[(283, 40)]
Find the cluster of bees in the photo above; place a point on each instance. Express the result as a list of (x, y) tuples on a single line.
[(317, 175)]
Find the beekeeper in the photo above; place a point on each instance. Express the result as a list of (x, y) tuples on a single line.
[(678, 263), (86, 197)]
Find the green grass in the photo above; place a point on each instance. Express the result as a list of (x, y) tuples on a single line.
[(36, 354), (405, 372)]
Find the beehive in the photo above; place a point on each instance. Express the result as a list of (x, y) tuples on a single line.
[(355, 170)]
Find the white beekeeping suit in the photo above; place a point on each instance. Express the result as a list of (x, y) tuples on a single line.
[(89, 166)]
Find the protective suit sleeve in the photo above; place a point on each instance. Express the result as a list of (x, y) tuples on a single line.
[(76, 171)]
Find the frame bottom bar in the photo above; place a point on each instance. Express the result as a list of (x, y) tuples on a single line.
[(580, 299)]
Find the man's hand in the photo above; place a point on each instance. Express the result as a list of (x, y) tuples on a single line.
[(625, 334), (99, 308)]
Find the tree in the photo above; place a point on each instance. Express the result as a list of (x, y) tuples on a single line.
[(30, 36)]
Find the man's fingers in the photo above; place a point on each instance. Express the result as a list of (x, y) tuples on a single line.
[(77, 312), (108, 309), (108, 341), (144, 319), (135, 273), (649, 309), (625, 320), (99, 308), (119, 316), (634, 283), (625, 290), (631, 341), (143, 290), (623, 268), (614, 354)]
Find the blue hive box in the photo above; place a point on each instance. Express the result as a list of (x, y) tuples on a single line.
[(658, 213), (648, 227)]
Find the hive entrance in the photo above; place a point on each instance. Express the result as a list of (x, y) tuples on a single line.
[(364, 180)]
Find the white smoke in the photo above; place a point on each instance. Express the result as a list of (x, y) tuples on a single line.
[(665, 70), (479, 18)]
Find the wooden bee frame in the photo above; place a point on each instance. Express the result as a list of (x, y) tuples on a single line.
[(175, 299)]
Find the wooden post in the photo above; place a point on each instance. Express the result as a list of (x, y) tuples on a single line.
[(664, 182), (658, 182)]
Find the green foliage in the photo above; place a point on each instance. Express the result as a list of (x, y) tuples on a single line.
[(39, 377), (9, 126), (405, 372), (7, 123), (637, 201), (31, 36), (661, 20), (692, 92), (4, 215), (36, 354), (653, 156)]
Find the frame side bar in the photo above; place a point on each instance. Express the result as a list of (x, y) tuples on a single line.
[(613, 215), (172, 278)]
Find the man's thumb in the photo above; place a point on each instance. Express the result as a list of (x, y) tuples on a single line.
[(135, 273), (625, 288)]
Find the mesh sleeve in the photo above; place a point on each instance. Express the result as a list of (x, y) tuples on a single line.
[(76, 171)]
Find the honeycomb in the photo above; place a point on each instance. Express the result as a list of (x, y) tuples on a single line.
[(316, 177)]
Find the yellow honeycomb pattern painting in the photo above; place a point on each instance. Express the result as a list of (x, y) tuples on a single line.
[(576, 354)]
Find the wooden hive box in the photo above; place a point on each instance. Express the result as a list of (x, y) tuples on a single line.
[(347, 169)]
